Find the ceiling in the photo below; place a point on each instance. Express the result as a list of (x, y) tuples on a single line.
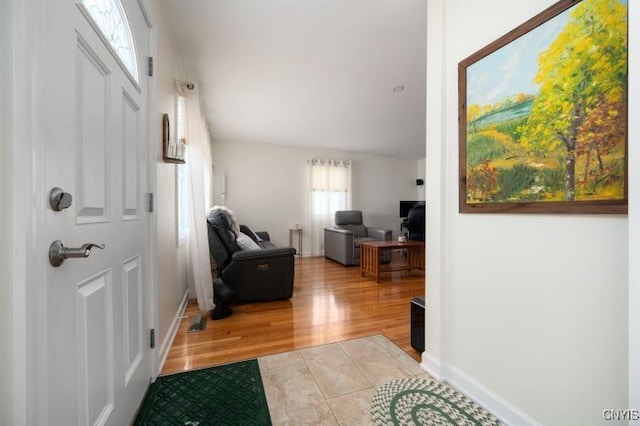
[(315, 73)]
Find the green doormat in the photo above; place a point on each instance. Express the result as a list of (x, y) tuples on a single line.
[(425, 402), (226, 395)]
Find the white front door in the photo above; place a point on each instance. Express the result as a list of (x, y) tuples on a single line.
[(96, 120)]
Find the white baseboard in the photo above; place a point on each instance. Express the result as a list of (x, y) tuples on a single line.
[(171, 333), (496, 405), (432, 365)]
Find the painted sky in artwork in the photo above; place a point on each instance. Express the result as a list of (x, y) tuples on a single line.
[(511, 69)]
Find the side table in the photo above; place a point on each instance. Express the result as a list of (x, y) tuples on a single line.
[(370, 256), (299, 246)]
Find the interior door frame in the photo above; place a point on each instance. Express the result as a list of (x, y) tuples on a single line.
[(153, 134), (28, 206)]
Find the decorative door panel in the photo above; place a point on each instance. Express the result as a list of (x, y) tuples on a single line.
[(131, 158), (133, 308), (95, 343), (93, 93)]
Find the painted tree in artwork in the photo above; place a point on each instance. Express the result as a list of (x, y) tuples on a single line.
[(603, 130), (582, 79)]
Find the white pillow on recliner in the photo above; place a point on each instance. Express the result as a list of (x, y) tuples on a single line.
[(246, 243)]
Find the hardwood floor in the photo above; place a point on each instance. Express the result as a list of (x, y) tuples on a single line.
[(330, 303)]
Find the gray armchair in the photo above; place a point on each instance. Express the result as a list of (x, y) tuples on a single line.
[(342, 241)]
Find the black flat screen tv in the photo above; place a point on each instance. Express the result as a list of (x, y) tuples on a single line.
[(405, 206)]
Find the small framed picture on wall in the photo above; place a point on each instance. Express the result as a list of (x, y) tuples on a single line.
[(172, 150)]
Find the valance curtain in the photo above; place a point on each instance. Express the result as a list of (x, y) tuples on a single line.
[(330, 190)]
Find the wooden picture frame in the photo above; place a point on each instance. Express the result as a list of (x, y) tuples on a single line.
[(172, 152), (543, 114)]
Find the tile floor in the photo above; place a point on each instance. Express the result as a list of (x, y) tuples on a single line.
[(332, 384)]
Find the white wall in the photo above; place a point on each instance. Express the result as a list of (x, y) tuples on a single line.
[(6, 294), (172, 257), (422, 166), (267, 186), (528, 313)]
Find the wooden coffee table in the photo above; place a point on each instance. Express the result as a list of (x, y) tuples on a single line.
[(370, 256)]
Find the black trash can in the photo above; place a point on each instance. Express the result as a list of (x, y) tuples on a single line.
[(417, 324)]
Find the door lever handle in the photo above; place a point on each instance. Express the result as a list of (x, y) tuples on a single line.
[(58, 252)]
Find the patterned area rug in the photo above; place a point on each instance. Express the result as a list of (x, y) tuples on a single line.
[(425, 402), (226, 395)]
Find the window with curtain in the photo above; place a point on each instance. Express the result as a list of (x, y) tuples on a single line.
[(330, 191), (191, 131), (181, 124), (182, 183)]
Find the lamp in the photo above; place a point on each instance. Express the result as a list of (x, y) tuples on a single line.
[(223, 187)]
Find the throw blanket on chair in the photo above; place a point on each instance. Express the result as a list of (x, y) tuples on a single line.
[(235, 227)]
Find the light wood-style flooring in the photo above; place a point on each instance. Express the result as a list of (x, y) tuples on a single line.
[(330, 303)]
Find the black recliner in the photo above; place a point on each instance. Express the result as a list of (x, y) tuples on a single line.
[(247, 275), (416, 222)]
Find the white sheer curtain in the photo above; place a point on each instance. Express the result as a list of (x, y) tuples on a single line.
[(198, 151), (330, 190)]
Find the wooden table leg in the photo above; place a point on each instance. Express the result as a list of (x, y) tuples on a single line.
[(415, 258), (365, 261), (376, 263)]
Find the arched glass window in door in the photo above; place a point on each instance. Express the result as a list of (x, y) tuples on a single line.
[(111, 20)]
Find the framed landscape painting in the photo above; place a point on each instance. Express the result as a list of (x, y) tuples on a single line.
[(543, 114)]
